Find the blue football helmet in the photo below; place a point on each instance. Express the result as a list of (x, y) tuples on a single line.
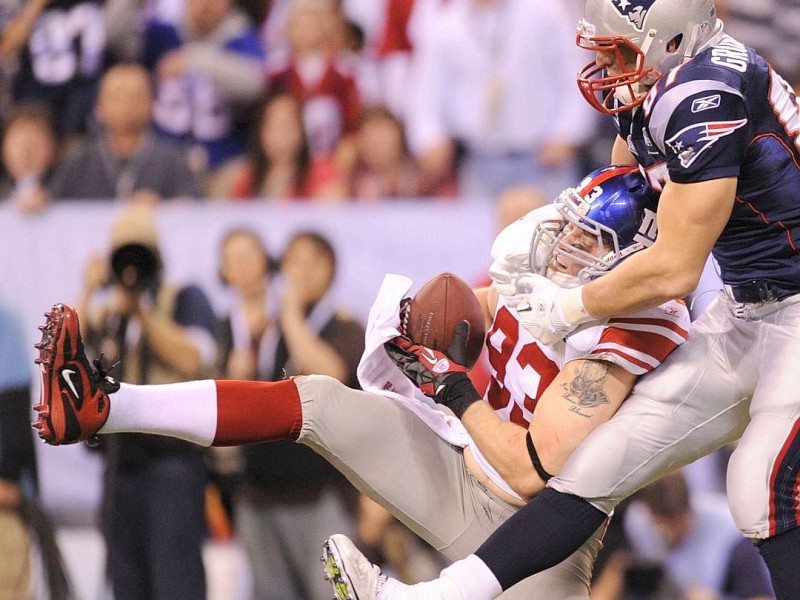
[(615, 205)]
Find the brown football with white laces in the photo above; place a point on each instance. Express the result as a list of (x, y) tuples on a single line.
[(434, 311)]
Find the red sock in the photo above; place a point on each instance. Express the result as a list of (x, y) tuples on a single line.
[(257, 411)]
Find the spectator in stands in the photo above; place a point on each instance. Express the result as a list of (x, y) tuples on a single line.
[(246, 270), (484, 75), (772, 27), (686, 540), (289, 493), (29, 151), (210, 75), (154, 487), (272, 27), (383, 166), (126, 156), (388, 45), (246, 336), (317, 76), (349, 42), (60, 50), (279, 165), (17, 460)]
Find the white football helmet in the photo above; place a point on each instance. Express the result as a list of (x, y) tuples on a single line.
[(656, 35)]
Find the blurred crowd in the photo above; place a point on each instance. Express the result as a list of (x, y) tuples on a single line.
[(288, 100), (306, 100), (274, 101)]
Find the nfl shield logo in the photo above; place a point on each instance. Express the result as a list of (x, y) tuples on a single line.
[(634, 10)]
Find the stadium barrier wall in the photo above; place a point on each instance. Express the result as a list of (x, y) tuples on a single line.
[(42, 261)]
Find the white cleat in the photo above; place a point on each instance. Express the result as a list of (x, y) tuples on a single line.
[(352, 576)]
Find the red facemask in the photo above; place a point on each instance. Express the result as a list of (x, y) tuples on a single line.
[(598, 87)]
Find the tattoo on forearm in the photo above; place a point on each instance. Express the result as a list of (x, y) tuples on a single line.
[(586, 388)]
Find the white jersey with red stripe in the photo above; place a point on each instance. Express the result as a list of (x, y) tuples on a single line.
[(522, 368)]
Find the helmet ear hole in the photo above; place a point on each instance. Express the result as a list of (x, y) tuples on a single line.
[(674, 43)]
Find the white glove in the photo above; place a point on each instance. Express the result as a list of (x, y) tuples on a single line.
[(505, 272), (548, 311), (511, 249)]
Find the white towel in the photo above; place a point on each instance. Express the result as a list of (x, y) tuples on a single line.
[(378, 374)]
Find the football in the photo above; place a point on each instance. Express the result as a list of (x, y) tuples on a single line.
[(434, 311)]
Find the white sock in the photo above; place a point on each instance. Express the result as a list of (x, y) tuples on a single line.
[(442, 588), (466, 579), (182, 410), (473, 579)]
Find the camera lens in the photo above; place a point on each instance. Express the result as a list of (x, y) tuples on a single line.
[(135, 266)]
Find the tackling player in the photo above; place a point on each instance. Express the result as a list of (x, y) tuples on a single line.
[(707, 118), (451, 489)]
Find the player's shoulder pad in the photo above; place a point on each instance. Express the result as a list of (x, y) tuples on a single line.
[(671, 310), (516, 237), (670, 319), (708, 87)]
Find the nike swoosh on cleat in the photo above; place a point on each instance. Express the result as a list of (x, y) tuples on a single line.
[(66, 375)]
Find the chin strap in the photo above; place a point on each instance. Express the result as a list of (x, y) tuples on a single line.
[(690, 46)]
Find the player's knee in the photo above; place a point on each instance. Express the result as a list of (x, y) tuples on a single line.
[(749, 502), (318, 388)]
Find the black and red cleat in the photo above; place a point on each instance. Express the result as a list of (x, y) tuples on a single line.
[(74, 396)]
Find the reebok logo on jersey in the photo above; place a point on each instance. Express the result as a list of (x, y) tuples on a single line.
[(690, 142), (634, 10), (706, 103)]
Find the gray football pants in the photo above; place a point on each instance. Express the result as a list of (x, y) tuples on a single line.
[(734, 378), (390, 455)]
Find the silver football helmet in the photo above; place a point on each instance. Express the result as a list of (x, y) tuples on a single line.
[(649, 38)]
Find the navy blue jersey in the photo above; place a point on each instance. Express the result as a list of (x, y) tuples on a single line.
[(63, 61), (193, 109), (726, 113)]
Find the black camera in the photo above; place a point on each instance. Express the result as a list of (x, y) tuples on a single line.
[(136, 267)]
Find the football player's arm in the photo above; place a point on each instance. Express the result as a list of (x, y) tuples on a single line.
[(585, 394), (620, 155), (487, 298), (690, 218)]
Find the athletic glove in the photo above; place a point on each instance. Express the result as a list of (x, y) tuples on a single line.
[(438, 375), (505, 271), (548, 311)]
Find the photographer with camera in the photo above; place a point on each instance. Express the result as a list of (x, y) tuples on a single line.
[(154, 487)]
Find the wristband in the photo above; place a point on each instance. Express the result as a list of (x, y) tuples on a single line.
[(570, 307), (457, 393), (535, 460)]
